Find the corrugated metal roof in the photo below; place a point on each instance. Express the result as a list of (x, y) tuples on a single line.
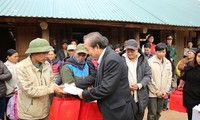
[(173, 12), (170, 12)]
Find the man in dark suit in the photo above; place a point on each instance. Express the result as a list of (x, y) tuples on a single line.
[(110, 87)]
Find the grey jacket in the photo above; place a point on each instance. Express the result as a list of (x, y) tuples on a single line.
[(4, 75), (144, 77)]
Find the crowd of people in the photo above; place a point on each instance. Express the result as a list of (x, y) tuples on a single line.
[(125, 80)]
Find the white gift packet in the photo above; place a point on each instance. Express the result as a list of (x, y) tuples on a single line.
[(72, 89), (196, 112)]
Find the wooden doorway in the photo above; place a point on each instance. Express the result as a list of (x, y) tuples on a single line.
[(7, 41)]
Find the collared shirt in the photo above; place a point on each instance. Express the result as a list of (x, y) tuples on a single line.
[(66, 54), (101, 56), (37, 65), (148, 55)]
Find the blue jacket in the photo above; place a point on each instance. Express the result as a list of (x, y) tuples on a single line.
[(73, 70)]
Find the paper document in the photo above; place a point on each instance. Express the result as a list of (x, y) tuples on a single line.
[(72, 89), (196, 112)]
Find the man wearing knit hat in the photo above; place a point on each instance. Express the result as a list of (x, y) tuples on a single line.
[(35, 81)]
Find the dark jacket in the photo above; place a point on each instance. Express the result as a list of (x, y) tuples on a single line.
[(56, 66), (92, 70), (61, 55), (148, 56), (143, 77), (111, 88), (4, 75), (191, 89)]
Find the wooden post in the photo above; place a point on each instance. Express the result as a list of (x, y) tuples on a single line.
[(45, 34), (122, 36), (137, 37), (198, 37), (45, 30)]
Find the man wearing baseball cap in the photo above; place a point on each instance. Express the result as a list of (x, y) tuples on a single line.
[(71, 50), (76, 68), (139, 75), (36, 82)]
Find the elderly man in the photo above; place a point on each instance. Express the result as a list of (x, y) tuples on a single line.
[(35, 81), (139, 75), (111, 88)]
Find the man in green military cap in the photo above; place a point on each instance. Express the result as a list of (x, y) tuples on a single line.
[(36, 82), (76, 67)]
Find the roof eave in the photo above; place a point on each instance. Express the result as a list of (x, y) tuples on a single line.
[(126, 24)]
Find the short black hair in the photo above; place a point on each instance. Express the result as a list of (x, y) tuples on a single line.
[(170, 35), (74, 40), (10, 52), (147, 45), (161, 46), (55, 51), (189, 42), (118, 46), (65, 41), (148, 36)]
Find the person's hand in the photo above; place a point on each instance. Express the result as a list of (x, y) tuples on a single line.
[(179, 87), (89, 88), (181, 84), (133, 87), (54, 42), (80, 95), (58, 89), (164, 94), (14, 89), (171, 59), (159, 94)]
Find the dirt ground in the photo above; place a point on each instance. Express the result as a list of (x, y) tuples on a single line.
[(170, 115)]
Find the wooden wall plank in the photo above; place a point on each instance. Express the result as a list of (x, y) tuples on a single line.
[(24, 35)]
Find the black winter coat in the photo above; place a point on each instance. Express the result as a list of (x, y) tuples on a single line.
[(144, 77), (191, 90), (4, 75)]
